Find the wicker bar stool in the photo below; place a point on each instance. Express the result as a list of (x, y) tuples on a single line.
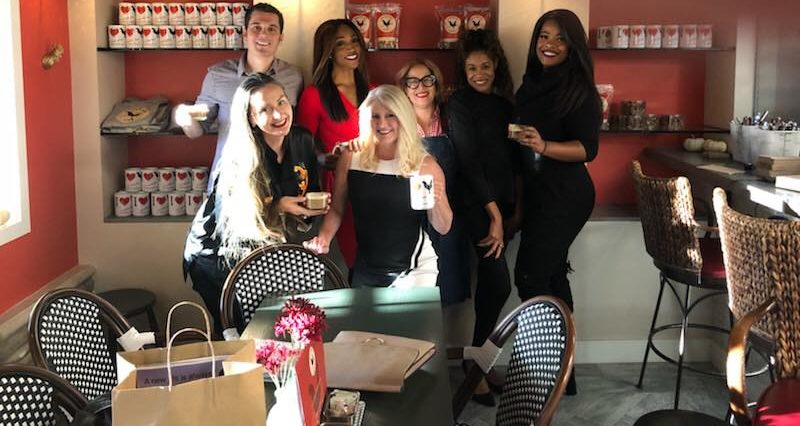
[(763, 260), (669, 228)]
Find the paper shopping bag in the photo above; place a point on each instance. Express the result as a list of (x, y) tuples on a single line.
[(195, 393), (372, 361)]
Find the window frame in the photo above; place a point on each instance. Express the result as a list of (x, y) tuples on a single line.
[(14, 125)]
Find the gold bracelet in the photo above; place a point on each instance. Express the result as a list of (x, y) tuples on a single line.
[(545, 148)]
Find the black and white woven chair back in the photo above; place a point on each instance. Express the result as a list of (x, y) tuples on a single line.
[(74, 339), (279, 270), (34, 396), (538, 360)]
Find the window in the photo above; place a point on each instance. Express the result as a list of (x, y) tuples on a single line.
[(13, 159)]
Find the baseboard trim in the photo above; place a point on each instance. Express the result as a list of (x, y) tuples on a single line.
[(14, 322), (632, 351)]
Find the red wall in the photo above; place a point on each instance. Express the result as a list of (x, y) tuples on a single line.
[(50, 249), (671, 82)]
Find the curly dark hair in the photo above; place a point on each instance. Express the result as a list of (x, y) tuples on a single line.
[(487, 42)]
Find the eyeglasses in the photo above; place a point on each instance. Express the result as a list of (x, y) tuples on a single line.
[(413, 82)]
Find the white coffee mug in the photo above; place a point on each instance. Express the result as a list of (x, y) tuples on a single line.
[(216, 37), (144, 14), (141, 204), (133, 179), (194, 200), (166, 179), (133, 37), (183, 179), (224, 16), (116, 36), (177, 203), (159, 204), (149, 179), (122, 204), (191, 13), (421, 187), (199, 178), (150, 37), (127, 13), (160, 13)]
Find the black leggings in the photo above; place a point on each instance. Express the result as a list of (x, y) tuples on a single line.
[(494, 283)]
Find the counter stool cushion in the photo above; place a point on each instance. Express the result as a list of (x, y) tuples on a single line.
[(711, 251), (779, 405), (678, 418)]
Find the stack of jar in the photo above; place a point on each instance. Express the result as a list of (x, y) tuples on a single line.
[(673, 36), (634, 117), (178, 26), (161, 191)]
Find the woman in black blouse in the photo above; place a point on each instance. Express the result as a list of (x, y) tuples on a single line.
[(560, 107), (478, 114), (258, 198)]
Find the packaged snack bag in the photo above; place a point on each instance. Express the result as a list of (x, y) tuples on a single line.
[(387, 25), (363, 16), (450, 27), (476, 17)]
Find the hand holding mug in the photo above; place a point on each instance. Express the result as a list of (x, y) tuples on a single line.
[(296, 206), (528, 136)]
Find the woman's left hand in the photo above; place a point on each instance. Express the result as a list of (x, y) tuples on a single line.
[(296, 206), (494, 241), (531, 138)]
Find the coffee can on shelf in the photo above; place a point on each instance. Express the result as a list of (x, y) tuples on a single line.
[(149, 179), (651, 122), (216, 37), (166, 37), (127, 13), (194, 200), (141, 204), (160, 14), (652, 37), (116, 36), (688, 38), (159, 204), (133, 179), (122, 204), (238, 10), (183, 179), (133, 37), (199, 178), (620, 36), (705, 36), (177, 203), (183, 37), (176, 14), (208, 13), (603, 37), (224, 16), (670, 36), (637, 37), (199, 37), (166, 179), (191, 13), (233, 37), (144, 14), (150, 38)]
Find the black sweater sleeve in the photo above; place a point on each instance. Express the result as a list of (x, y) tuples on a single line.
[(463, 132), (583, 125)]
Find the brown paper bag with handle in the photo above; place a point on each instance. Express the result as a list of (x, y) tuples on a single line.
[(236, 397), (372, 361)]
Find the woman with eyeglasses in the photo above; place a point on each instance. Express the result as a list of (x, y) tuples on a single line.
[(329, 107), (422, 82), (561, 112), (478, 114)]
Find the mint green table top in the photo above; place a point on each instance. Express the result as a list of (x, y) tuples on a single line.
[(415, 313)]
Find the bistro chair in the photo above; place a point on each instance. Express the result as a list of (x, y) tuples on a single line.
[(763, 257), (670, 235), (275, 270), (73, 334), (34, 396), (541, 362)]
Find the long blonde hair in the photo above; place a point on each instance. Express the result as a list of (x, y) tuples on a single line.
[(410, 151), (246, 215)]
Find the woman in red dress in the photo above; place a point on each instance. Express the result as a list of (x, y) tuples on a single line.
[(329, 107)]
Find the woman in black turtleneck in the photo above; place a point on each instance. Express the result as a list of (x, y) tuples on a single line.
[(560, 108)]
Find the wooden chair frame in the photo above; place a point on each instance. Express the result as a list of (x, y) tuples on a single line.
[(64, 394)]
